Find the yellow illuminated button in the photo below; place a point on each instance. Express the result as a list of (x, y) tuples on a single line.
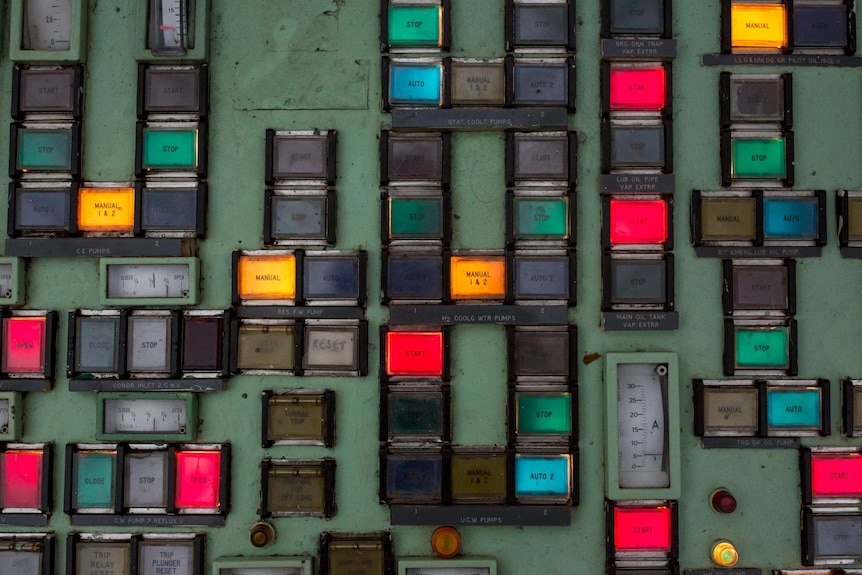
[(758, 26), (478, 277), (724, 554), (267, 277), (106, 209)]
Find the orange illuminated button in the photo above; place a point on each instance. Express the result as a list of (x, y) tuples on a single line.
[(414, 353), (267, 277), (477, 277), (638, 222), (836, 475), (758, 26), (642, 529), (106, 209), (198, 479)]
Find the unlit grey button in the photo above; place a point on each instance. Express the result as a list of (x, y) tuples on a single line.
[(149, 343), (637, 146), (146, 484), (330, 347), (47, 90), (96, 344)]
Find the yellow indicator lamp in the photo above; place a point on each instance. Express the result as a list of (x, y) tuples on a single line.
[(106, 209), (266, 277), (478, 277), (446, 542), (724, 554), (758, 26)]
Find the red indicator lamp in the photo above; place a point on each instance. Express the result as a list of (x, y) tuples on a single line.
[(414, 353), (836, 475), (198, 479), (642, 529), (638, 89), (21, 479), (24, 344), (638, 221)]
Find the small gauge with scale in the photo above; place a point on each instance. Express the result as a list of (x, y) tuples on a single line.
[(149, 281), (147, 416), (48, 30)]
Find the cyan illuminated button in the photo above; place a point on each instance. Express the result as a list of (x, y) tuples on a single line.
[(94, 479), (542, 475), (762, 347), (416, 84), (170, 149), (44, 150), (758, 158), (791, 218), (796, 408), (415, 26)]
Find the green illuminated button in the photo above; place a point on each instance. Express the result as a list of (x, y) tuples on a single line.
[(415, 217), (170, 149), (541, 218), (758, 347), (415, 25), (793, 407), (758, 158), (544, 413), (42, 150), (94, 479)]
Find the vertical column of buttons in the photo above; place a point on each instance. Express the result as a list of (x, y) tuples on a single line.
[(637, 182)]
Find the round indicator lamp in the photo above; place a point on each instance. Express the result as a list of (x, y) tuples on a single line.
[(724, 554), (261, 534), (446, 542), (722, 501)]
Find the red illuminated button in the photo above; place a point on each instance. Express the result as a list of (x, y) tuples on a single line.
[(638, 222), (21, 480), (836, 475), (417, 353), (642, 529), (24, 344), (198, 479), (638, 89)]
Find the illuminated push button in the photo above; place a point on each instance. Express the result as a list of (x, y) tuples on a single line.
[(762, 347), (410, 26), (415, 84), (44, 150), (478, 477), (296, 488), (145, 480), (758, 26), (331, 348), (541, 84), (728, 219), (760, 287), (543, 413), (793, 408), (414, 277), (836, 475), (638, 221), (48, 90), (415, 217), (42, 210), (299, 218), (202, 344), (541, 25), (637, 17), (169, 210), (414, 353), (331, 278), (833, 537), (477, 84), (638, 281), (300, 418), (542, 476), (21, 561), (149, 344), (756, 99), (541, 158), (638, 89), (415, 414), (820, 26), (267, 277), (300, 157), (541, 353), (642, 529), (96, 344), (415, 158), (172, 90), (21, 481), (173, 558), (24, 345), (198, 479), (93, 473), (477, 277), (541, 218), (542, 278), (637, 146), (170, 149), (724, 554), (730, 410), (758, 158), (791, 219), (266, 347), (349, 557), (414, 477), (106, 209), (96, 558)]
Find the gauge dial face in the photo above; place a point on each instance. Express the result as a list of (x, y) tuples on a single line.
[(641, 416), (148, 281), (141, 415), (169, 26), (4, 413), (47, 25)]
